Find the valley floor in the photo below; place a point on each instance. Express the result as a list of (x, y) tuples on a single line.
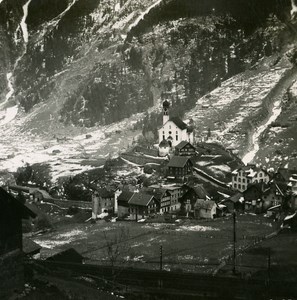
[(191, 245)]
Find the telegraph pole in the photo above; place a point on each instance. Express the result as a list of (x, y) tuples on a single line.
[(234, 242), (269, 263), (161, 258)]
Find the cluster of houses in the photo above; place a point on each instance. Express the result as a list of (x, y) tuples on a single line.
[(252, 188)]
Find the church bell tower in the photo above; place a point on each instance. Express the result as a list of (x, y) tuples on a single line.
[(166, 106)]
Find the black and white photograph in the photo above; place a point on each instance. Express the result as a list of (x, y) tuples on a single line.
[(148, 149)]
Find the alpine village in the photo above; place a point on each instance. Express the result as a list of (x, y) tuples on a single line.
[(148, 149), (181, 219)]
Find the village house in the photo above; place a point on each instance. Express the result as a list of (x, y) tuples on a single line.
[(12, 212), (290, 222), (102, 201), (292, 185), (189, 199), (173, 130), (234, 203), (163, 197), (246, 175), (176, 192), (185, 148), (261, 196), (142, 205), (273, 195), (205, 209), (282, 176), (179, 167), (123, 203)]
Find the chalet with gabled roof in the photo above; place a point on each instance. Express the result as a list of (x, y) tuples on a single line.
[(163, 197), (179, 166), (191, 196), (141, 205), (185, 148)]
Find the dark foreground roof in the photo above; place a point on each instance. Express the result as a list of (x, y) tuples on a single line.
[(16, 204), (30, 247), (68, 255), (125, 196)]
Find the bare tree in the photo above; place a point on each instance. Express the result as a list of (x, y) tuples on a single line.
[(117, 244)]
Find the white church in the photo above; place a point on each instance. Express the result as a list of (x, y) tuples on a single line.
[(173, 131)]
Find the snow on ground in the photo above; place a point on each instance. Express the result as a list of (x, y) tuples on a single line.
[(196, 228), (276, 111), (23, 23), (228, 107), (60, 239)]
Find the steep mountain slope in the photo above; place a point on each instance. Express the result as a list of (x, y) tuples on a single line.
[(69, 65)]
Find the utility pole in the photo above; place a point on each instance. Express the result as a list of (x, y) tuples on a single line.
[(234, 242), (161, 258), (269, 264)]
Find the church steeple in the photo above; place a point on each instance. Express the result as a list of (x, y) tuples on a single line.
[(166, 106)]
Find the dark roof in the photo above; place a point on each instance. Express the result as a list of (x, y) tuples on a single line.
[(206, 204), (158, 193), (285, 173), (30, 247), (200, 191), (178, 161), (235, 198), (125, 196), (179, 123), (166, 104), (182, 144), (141, 199), (68, 255), (25, 211)]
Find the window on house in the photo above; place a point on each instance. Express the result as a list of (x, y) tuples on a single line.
[(176, 137), (243, 180), (235, 185), (261, 175), (239, 186)]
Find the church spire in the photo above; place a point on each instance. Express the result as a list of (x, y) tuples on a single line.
[(166, 106)]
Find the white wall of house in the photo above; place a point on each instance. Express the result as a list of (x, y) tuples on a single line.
[(205, 213), (241, 180)]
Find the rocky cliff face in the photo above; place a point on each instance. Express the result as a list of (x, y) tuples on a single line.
[(85, 63), (97, 62)]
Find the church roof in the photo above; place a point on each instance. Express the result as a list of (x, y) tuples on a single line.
[(179, 123)]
